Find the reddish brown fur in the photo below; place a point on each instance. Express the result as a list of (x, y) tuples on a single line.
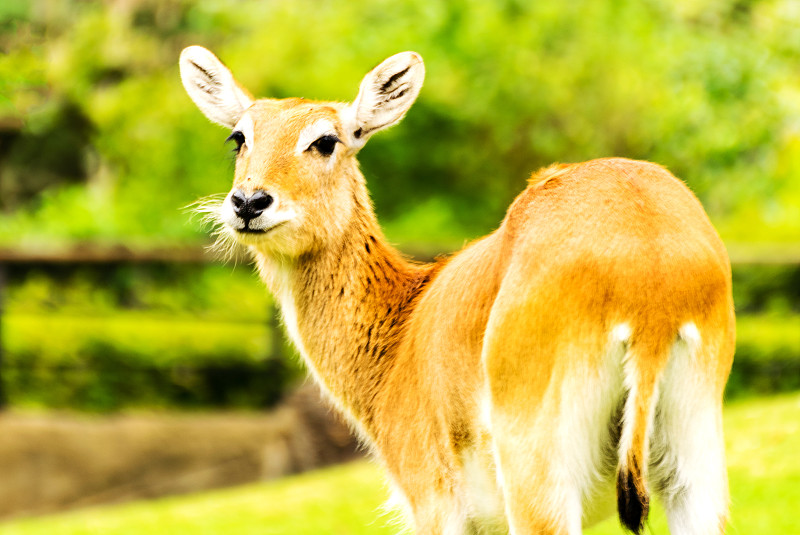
[(401, 347), (518, 319)]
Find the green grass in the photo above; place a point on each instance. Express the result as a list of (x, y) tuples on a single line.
[(762, 436), (340, 500)]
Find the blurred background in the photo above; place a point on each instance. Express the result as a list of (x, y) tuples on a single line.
[(133, 364)]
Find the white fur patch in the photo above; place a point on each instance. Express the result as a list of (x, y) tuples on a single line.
[(483, 492), (397, 505), (246, 127), (588, 403), (283, 292), (621, 333), (312, 132), (689, 333)]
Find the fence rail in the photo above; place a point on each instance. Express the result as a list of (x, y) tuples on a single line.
[(113, 254)]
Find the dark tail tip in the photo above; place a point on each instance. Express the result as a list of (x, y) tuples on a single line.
[(633, 503)]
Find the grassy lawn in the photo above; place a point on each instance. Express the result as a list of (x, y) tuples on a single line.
[(763, 442), (340, 500)]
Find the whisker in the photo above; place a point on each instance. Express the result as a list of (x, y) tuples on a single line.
[(209, 207), (209, 211)]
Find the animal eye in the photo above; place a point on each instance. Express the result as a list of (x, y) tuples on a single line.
[(238, 138), (325, 145)]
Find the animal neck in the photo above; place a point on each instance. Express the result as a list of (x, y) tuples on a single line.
[(346, 307)]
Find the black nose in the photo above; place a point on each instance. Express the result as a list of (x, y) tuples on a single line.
[(250, 207)]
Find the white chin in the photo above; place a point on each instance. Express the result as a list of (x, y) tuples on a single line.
[(252, 237)]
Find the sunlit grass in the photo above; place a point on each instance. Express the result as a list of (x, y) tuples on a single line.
[(341, 500), (762, 437)]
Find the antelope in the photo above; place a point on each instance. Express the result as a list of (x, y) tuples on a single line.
[(568, 364)]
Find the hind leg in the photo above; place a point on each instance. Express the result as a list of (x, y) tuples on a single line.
[(688, 456), (539, 496), (554, 450), (553, 388), (556, 468), (691, 477)]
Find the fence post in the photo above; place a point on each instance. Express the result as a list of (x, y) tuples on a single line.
[(3, 396)]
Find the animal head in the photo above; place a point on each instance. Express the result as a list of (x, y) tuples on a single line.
[(296, 185)]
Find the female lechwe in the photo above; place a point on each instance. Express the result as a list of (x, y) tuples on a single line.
[(580, 348)]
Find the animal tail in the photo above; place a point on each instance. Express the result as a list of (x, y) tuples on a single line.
[(643, 363)]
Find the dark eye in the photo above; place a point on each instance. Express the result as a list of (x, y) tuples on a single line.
[(238, 138), (325, 145)]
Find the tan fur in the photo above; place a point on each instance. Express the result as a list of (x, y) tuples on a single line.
[(410, 351)]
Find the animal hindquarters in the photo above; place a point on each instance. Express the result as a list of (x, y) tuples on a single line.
[(557, 453)]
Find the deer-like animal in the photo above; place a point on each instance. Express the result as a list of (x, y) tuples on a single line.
[(572, 360)]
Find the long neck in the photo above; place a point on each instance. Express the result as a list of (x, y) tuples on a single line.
[(346, 308)]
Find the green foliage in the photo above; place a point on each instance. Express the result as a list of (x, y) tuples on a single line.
[(707, 88), (766, 288), (762, 440), (143, 336), (125, 361), (767, 355), (146, 359), (201, 292), (767, 299)]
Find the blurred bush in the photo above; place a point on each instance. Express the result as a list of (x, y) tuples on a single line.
[(773, 289), (157, 335), (99, 376), (98, 141), (767, 355)]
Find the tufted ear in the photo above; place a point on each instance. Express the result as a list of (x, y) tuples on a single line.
[(212, 87), (386, 94)]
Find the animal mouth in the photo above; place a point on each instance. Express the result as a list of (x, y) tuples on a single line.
[(248, 230)]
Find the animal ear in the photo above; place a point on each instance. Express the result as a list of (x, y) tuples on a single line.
[(212, 87), (386, 94)]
